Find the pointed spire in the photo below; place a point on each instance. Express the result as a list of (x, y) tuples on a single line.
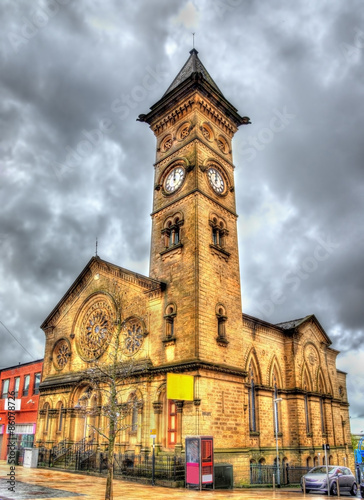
[(192, 65)]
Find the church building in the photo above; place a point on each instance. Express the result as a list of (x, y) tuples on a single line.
[(250, 377)]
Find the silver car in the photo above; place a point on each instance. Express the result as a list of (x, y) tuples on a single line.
[(316, 480)]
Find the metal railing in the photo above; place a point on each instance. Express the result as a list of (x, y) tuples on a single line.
[(263, 474), (85, 456)]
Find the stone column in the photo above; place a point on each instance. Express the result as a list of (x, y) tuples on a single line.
[(179, 444), (158, 411)]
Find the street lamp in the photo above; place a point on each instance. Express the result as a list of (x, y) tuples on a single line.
[(276, 428)]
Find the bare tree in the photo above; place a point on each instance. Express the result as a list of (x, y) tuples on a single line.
[(113, 376)]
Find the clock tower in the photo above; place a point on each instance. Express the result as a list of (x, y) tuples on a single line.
[(194, 247)]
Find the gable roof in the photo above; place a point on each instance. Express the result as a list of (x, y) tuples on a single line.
[(149, 284), (296, 323)]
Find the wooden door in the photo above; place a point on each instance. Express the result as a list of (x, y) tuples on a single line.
[(172, 423)]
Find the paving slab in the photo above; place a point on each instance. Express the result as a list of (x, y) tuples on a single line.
[(33, 484)]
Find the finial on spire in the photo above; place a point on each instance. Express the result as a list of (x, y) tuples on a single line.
[(193, 40), (96, 248)]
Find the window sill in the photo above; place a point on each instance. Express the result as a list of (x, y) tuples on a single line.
[(222, 341), (170, 249), (310, 434), (216, 249), (280, 434), (169, 341), (254, 433)]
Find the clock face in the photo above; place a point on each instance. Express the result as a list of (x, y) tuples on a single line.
[(216, 180), (174, 179)]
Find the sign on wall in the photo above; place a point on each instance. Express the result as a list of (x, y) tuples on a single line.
[(180, 386)]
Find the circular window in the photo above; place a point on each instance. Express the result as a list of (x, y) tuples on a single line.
[(61, 354), (183, 131), (207, 132), (222, 145), (95, 330), (166, 143), (133, 331)]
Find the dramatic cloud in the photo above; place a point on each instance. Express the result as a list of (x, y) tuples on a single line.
[(76, 165)]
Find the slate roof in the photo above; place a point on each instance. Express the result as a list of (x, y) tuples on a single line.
[(192, 65), (287, 325)]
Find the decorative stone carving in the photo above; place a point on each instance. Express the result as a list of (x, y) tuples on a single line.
[(96, 330), (61, 354)]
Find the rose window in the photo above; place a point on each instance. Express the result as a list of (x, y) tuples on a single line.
[(133, 336), (95, 330), (61, 354)]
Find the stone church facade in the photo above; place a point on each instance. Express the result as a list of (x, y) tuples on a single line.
[(186, 317)]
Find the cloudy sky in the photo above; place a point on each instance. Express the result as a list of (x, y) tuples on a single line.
[(75, 163)]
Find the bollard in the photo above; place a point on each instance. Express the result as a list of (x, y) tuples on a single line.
[(304, 486), (338, 487), (274, 481)]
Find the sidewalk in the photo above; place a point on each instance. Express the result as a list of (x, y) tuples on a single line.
[(45, 483)]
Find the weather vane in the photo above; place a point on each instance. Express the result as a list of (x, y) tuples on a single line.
[(96, 248)]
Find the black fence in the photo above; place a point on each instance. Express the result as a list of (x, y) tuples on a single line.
[(87, 458), (263, 474)]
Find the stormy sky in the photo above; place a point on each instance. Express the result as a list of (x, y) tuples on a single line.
[(76, 165)]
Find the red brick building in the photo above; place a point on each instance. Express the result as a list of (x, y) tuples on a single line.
[(21, 381)]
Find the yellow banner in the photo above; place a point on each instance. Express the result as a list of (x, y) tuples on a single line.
[(180, 386)]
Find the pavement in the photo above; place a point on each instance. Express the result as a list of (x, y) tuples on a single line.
[(32, 484)]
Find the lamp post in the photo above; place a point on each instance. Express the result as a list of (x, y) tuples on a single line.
[(276, 429)]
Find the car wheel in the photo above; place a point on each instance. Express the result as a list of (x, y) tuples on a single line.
[(333, 489), (354, 490)]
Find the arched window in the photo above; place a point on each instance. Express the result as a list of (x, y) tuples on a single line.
[(134, 405), (221, 325), (321, 389), (46, 409), (307, 414), (219, 231), (60, 416), (276, 402), (172, 231), (169, 317), (252, 400), (306, 384)]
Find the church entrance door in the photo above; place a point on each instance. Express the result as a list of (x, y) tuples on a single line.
[(172, 423)]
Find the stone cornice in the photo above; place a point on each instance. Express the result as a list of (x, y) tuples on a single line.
[(194, 365), (193, 191)]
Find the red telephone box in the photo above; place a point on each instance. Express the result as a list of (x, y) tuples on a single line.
[(199, 462)]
